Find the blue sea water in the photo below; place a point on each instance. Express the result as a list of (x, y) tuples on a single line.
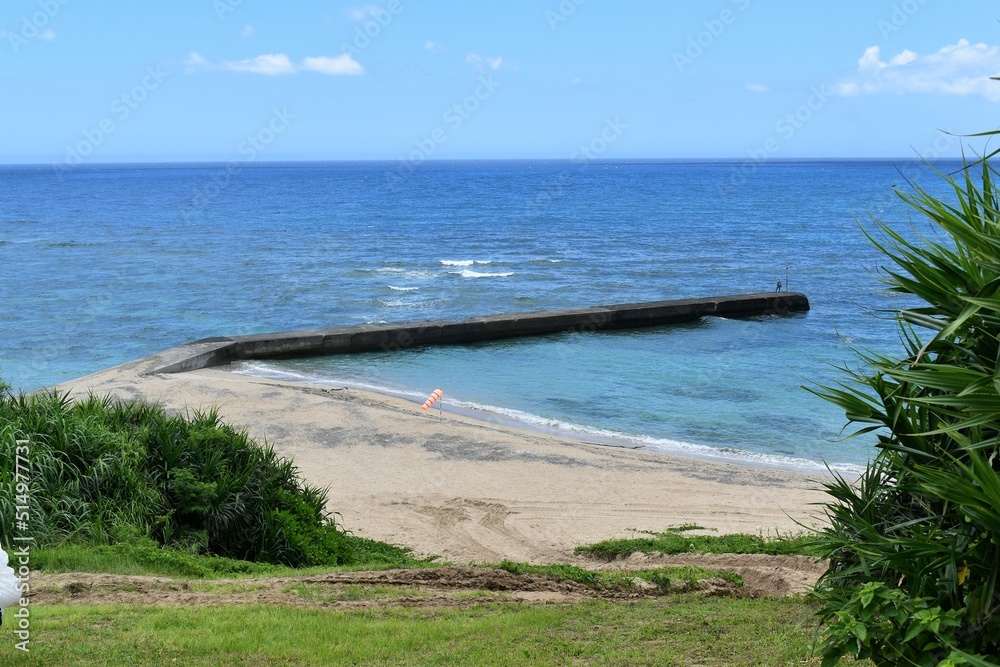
[(104, 264)]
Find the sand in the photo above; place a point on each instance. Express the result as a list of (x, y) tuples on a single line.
[(472, 490)]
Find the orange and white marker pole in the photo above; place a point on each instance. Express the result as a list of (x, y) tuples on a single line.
[(432, 399)]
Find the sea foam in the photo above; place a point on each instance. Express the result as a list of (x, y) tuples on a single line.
[(466, 273)]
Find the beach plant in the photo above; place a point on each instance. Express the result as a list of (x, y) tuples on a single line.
[(678, 540), (105, 471), (914, 544)]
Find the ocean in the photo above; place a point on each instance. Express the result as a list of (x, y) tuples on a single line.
[(104, 264)]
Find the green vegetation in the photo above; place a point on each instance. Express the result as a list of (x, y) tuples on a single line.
[(146, 558), (914, 545), (662, 631), (353, 592), (105, 472), (664, 578), (142, 559), (676, 540)]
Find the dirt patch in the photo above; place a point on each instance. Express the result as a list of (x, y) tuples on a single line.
[(763, 575), (430, 587)]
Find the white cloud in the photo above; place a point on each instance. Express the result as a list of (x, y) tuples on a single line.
[(905, 57), (870, 60), (276, 64), (757, 87), (270, 64), (343, 65), (434, 47), (362, 12), (956, 69), (195, 62), (247, 31), (46, 35), (478, 62), (576, 81)]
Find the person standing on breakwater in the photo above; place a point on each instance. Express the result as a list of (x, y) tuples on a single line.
[(10, 585), (778, 288)]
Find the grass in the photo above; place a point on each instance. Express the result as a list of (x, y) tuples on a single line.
[(147, 559), (676, 540), (217, 587), (663, 578), (669, 630), (352, 592), (480, 595)]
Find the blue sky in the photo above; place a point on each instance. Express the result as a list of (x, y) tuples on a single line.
[(220, 80)]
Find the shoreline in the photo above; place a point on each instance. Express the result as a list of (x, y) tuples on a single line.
[(486, 414), (467, 489)]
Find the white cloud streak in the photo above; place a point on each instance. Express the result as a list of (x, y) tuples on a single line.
[(363, 12), (343, 65), (270, 64), (956, 69), (278, 64), (495, 63)]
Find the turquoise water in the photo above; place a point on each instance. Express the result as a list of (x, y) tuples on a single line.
[(718, 388), (106, 264)]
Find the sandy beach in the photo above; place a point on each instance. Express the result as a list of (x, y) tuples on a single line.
[(470, 490)]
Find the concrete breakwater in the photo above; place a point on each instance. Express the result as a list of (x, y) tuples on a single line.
[(370, 337)]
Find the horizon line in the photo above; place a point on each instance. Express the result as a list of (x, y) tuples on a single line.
[(62, 166)]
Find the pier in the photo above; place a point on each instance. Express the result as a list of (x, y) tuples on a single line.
[(390, 337)]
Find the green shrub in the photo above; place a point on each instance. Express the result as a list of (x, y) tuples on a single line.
[(663, 578), (676, 540), (563, 572), (105, 471), (914, 544)]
